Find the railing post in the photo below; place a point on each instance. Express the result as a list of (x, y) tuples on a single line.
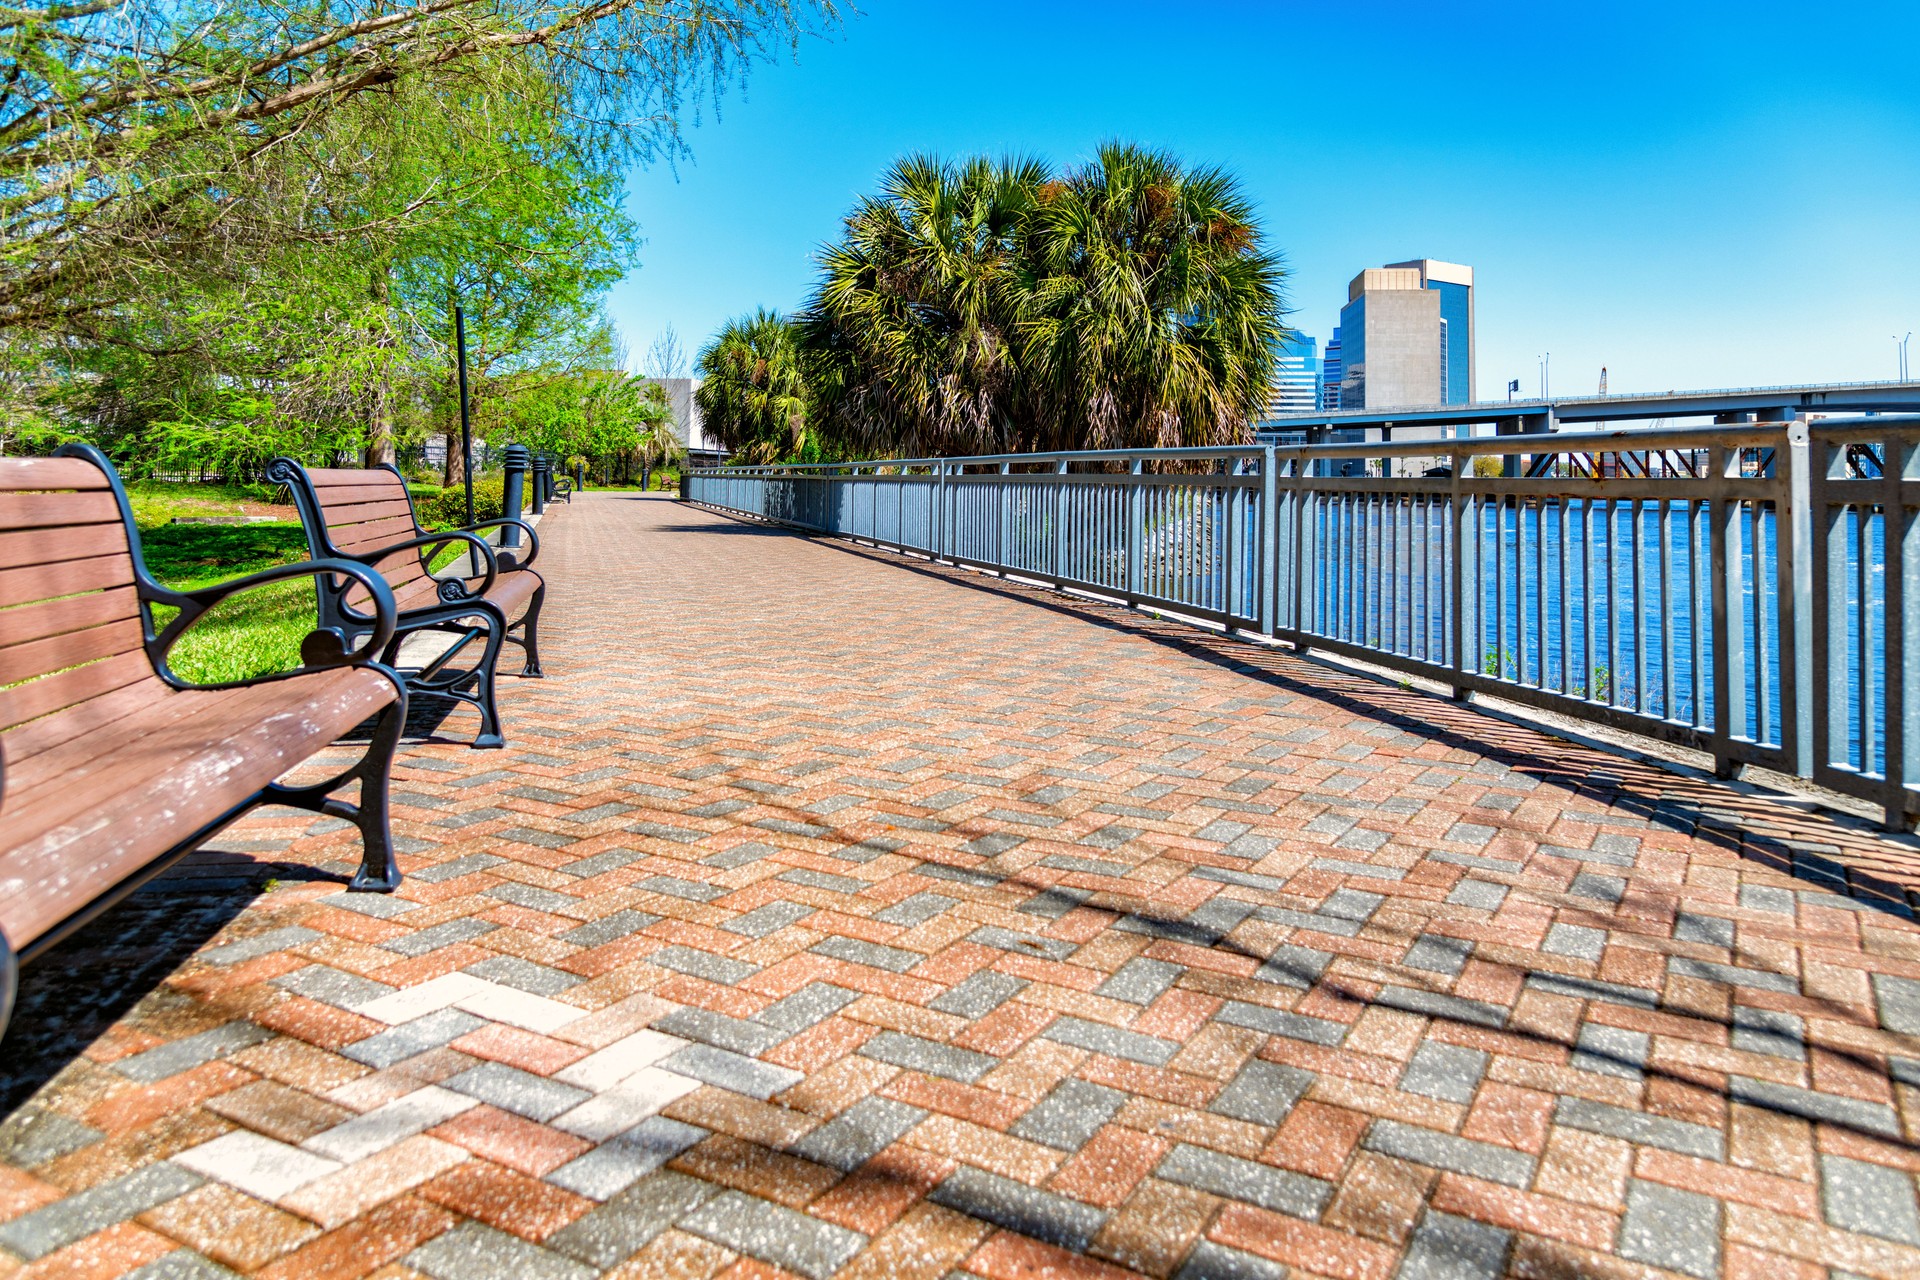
[(1004, 491), (937, 517), (514, 486), (1060, 523), (1793, 542), (1464, 575), (1725, 512), (1897, 538), (1136, 527), (1267, 583)]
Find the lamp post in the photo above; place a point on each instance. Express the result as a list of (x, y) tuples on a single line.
[(466, 424), (1900, 349)]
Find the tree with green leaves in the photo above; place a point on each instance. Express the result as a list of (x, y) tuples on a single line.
[(143, 142), (1000, 306), (754, 396)]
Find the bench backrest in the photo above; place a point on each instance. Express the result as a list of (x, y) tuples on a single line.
[(72, 631), (363, 511)]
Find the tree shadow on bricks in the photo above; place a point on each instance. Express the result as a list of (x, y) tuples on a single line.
[(1838, 854)]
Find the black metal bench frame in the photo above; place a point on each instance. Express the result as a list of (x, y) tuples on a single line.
[(323, 648)]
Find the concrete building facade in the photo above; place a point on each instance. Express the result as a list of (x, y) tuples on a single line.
[(1407, 336)]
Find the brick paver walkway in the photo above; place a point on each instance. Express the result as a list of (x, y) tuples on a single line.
[(841, 915)]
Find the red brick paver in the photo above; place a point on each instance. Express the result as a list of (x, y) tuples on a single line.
[(833, 913)]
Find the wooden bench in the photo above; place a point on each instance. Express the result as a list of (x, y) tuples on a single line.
[(368, 517), (111, 767)]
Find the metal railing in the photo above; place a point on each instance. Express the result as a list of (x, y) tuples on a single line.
[(1742, 590)]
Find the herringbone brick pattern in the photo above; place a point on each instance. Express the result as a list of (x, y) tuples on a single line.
[(834, 914)]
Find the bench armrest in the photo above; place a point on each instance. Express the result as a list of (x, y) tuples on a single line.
[(320, 649), (452, 590), (533, 539)]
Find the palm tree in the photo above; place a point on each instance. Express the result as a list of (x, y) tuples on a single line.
[(913, 328), (1154, 310), (754, 398)]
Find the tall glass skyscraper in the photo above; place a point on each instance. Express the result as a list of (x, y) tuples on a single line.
[(1296, 377), (1330, 373)]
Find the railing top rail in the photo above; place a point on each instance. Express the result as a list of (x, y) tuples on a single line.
[(1735, 435)]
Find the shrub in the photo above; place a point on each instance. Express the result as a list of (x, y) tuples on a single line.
[(447, 509)]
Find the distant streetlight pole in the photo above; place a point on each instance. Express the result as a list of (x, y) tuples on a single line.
[(1546, 375), (1900, 348)]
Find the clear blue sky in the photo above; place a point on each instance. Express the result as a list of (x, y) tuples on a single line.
[(1693, 194)]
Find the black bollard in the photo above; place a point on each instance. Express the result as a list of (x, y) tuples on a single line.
[(542, 477), (515, 458)]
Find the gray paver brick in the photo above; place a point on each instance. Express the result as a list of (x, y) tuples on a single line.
[(1869, 1198), (1262, 1093), (332, 986), (1112, 1041), (1438, 1004), (605, 1236), (1438, 954), (454, 868), (1575, 940), (35, 1134), (534, 898), (1611, 1051), (874, 955), (930, 1056), (36, 1234), (524, 975), (182, 1264), (624, 1159), (1899, 1000), (1445, 1247), (1733, 975), (807, 1006), (727, 1070), (471, 1251), (1140, 980), (1810, 1104), (1294, 966), (409, 1038), (1210, 1261), (1028, 1210), (609, 928), (1278, 1022), (1769, 1031), (769, 919), (1667, 1227), (774, 1233), (1449, 1151), (260, 944), (858, 1134), (918, 909), (441, 935), (692, 1023), (1449, 1072), (1484, 894), (521, 1092), (1277, 1189), (1641, 1127), (191, 1051), (703, 964), (1069, 1115), (1026, 944)]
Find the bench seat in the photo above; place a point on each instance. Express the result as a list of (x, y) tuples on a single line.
[(93, 809)]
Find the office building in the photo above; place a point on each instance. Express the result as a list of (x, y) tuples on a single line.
[(1407, 336), (1296, 376), (1330, 373)]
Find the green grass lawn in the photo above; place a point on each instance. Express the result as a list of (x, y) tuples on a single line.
[(249, 634)]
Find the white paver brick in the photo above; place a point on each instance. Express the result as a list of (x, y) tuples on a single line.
[(362, 1136), (517, 1008), (428, 997), (620, 1060), (256, 1164), (626, 1104)]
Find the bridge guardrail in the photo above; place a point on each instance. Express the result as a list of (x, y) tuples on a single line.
[(1745, 590)]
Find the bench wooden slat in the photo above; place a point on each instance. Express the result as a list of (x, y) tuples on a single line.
[(351, 478), (55, 653), (25, 741), (348, 496), (105, 819), (46, 581), (393, 526), (37, 698), (49, 510), (24, 547), (75, 613), (50, 473)]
